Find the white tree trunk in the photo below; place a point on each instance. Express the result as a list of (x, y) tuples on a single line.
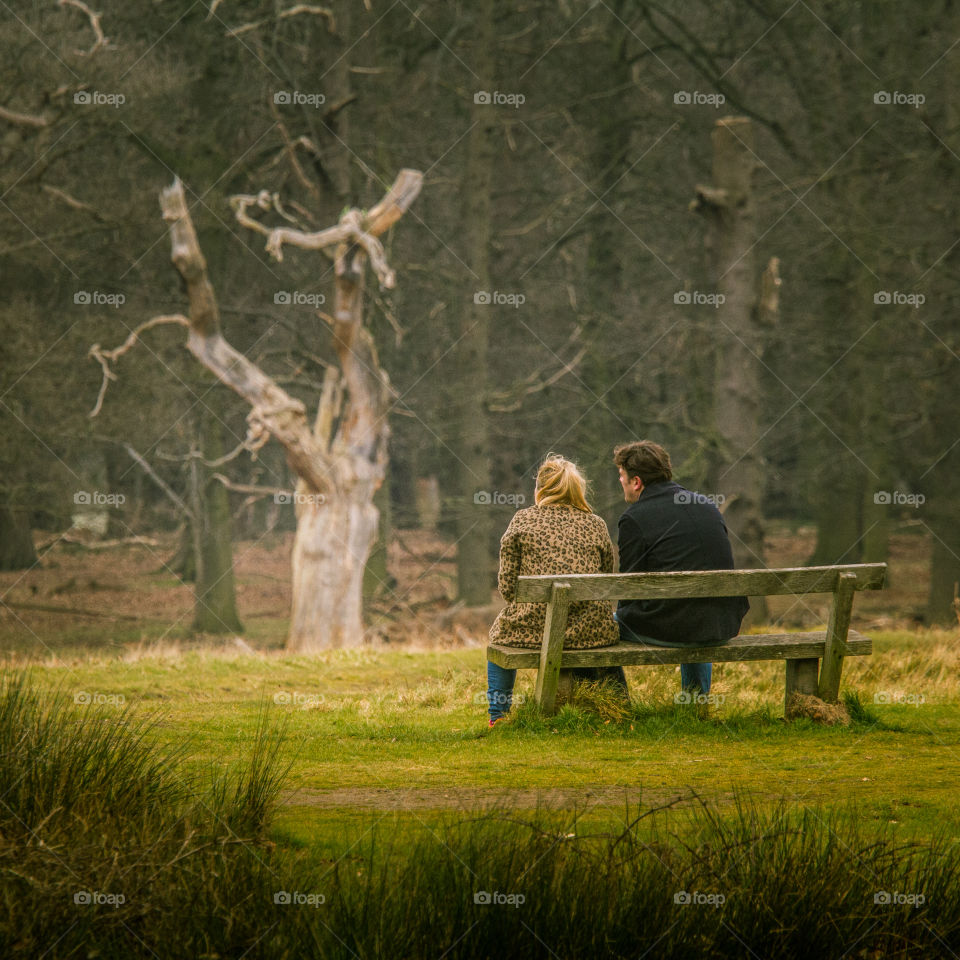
[(330, 552)]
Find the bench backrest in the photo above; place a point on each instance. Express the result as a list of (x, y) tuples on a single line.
[(702, 583)]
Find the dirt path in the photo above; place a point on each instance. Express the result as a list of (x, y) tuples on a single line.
[(472, 798)]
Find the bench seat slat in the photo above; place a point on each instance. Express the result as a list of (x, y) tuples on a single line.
[(703, 583), (760, 646)]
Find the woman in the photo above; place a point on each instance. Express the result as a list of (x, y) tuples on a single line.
[(559, 534)]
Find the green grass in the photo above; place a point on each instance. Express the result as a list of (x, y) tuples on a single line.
[(121, 837), (367, 724)]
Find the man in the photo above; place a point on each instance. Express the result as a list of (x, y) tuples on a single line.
[(667, 527)]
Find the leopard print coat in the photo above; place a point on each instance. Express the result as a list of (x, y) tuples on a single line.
[(554, 539)]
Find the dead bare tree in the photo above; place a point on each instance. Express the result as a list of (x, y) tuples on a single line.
[(340, 460)]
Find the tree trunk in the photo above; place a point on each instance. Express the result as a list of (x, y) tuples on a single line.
[(329, 557), (215, 609), (610, 122), (17, 551), (944, 573), (837, 499), (940, 483), (737, 470), (184, 562), (875, 545), (428, 502), (475, 575), (376, 576), (841, 478)]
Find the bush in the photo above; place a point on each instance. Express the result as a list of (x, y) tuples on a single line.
[(106, 842)]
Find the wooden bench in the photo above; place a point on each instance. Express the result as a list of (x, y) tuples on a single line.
[(814, 660)]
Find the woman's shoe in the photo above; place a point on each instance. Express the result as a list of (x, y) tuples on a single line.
[(493, 723)]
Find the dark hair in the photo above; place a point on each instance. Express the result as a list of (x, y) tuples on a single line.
[(644, 459)]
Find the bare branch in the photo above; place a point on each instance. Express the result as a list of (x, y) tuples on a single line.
[(507, 401), (189, 261), (396, 203), (329, 407), (241, 201), (274, 411), (196, 455), (354, 226), (73, 201), (152, 474), (391, 318), (768, 303), (252, 489), (708, 198), (283, 15), (104, 357), (24, 119), (101, 40), (308, 8), (291, 151)]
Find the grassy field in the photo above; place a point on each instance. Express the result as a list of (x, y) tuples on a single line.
[(376, 732), (392, 781), (113, 847)]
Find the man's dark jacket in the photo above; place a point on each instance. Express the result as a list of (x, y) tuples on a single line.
[(671, 528)]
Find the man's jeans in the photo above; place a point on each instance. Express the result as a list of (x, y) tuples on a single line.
[(694, 677)]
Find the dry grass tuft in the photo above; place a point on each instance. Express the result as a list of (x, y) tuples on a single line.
[(813, 708)]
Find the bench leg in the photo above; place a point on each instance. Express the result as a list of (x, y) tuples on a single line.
[(565, 685), (801, 678), (829, 687), (551, 650)]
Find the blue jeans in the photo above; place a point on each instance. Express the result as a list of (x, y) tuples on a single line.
[(694, 677), (500, 681)]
